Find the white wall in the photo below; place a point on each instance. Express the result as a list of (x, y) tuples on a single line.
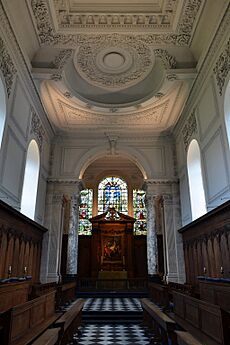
[(22, 101), (206, 102)]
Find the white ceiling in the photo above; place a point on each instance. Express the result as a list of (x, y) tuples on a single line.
[(117, 66)]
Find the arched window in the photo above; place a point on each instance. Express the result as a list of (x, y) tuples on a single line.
[(113, 192), (196, 187), (2, 110), (227, 111), (85, 212), (139, 210), (30, 184)]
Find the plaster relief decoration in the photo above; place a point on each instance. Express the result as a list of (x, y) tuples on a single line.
[(168, 60), (114, 61), (153, 116), (7, 67), (222, 67), (45, 31), (75, 14), (174, 22), (189, 129), (59, 63), (36, 129)]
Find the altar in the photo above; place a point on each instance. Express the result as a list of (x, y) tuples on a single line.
[(115, 275), (112, 245)]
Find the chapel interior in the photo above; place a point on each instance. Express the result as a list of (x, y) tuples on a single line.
[(114, 172)]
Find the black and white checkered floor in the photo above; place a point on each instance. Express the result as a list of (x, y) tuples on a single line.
[(108, 331), (112, 334), (112, 304)]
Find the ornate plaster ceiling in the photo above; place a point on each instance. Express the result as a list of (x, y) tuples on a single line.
[(117, 65)]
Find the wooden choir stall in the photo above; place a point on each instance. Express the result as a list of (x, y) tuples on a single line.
[(27, 307)]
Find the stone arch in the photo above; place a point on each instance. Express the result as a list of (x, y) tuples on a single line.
[(100, 151)]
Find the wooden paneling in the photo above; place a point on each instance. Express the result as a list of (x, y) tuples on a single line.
[(12, 294), (20, 244), (207, 246), (215, 293), (205, 321)]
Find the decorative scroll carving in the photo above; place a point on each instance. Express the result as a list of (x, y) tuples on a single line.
[(189, 129), (7, 67), (136, 65), (168, 60), (222, 67), (112, 21), (37, 129), (189, 16), (59, 63), (70, 19)]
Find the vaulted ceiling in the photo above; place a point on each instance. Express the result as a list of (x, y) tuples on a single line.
[(114, 66)]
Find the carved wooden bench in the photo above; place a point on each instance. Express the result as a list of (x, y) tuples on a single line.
[(49, 337), (70, 321), (156, 319), (185, 338)]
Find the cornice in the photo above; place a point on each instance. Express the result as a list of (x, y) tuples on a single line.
[(48, 36), (23, 69), (65, 181), (150, 182)]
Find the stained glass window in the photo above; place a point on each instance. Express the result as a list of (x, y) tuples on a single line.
[(139, 209), (113, 192), (85, 212)]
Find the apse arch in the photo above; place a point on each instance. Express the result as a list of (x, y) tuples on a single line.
[(99, 152), (30, 183), (2, 110), (196, 187)]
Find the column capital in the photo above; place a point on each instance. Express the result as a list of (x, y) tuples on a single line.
[(57, 198), (167, 199), (68, 186)]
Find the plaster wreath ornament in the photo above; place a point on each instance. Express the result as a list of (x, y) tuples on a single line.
[(114, 61)]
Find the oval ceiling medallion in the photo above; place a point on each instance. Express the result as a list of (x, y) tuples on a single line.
[(114, 61)]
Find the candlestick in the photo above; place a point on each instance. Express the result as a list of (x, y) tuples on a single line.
[(205, 270), (123, 260), (25, 270), (9, 271), (222, 270)]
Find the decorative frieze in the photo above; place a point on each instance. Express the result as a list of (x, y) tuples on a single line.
[(222, 67), (189, 15), (7, 67), (36, 129), (189, 129)]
